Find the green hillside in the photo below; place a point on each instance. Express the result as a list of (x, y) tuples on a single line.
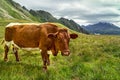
[(92, 58), (11, 10)]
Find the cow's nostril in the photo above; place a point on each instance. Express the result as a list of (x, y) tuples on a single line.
[(65, 53)]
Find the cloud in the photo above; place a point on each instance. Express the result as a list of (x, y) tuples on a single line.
[(82, 11)]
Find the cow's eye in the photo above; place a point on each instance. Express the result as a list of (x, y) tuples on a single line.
[(58, 38)]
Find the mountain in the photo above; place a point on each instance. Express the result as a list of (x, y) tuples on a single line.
[(72, 25), (43, 15), (103, 28), (47, 17), (12, 10)]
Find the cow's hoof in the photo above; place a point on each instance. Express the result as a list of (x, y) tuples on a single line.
[(54, 54), (45, 69), (48, 63), (18, 60), (6, 60)]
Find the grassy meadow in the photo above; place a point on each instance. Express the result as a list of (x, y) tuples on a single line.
[(93, 57)]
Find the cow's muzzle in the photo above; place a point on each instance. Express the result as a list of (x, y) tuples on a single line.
[(65, 53)]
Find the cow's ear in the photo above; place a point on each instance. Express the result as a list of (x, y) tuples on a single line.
[(52, 35), (73, 36)]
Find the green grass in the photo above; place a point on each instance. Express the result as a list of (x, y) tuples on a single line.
[(92, 57)]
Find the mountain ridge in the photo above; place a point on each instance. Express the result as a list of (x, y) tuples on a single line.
[(73, 25), (103, 28), (48, 17)]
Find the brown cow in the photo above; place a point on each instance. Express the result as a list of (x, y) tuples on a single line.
[(45, 36)]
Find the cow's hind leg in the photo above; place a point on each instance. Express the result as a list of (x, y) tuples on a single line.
[(6, 48), (15, 51)]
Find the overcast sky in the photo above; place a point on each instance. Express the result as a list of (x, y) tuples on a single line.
[(82, 11)]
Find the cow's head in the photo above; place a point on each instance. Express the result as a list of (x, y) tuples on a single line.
[(61, 40)]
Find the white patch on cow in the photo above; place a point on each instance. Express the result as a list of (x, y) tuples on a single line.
[(12, 24), (8, 43), (15, 44), (30, 49), (49, 52)]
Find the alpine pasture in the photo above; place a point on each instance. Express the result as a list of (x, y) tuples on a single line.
[(93, 57)]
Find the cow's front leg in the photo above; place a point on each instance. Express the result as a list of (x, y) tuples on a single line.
[(44, 58), (48, 60), (15, 51)]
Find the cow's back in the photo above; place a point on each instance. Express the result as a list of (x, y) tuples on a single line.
[(45, 42), (49, 28), (29, 35)]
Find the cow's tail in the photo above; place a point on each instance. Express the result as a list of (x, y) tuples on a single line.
[(3, 41)]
